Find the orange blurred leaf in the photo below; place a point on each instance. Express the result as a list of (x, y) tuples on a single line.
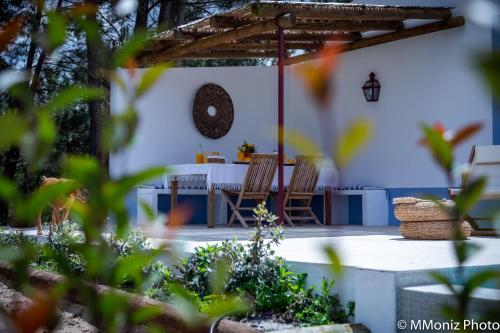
[(179, 216), (465, 132), (317, 75), (38, 314), (131, 66), (10, 31), (83, 9)]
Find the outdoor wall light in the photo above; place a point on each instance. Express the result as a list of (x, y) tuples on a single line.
[(371, 89)]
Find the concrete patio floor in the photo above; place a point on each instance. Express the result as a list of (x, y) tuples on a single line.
[(379, 248)]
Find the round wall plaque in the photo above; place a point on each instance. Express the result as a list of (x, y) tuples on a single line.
[(213, 111)]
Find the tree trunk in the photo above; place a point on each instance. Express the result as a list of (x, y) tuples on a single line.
[(180, 12), (41, 60), (165, 15), (94, 79), (13, 155), (141, 18)]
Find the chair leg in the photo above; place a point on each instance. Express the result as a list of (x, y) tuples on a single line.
[(231, 220), (235, 213), (289, 220), (314, 217)]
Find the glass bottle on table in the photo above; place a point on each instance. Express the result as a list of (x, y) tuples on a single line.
[(200, 155)]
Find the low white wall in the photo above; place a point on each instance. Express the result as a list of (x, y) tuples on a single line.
[(424, 80)]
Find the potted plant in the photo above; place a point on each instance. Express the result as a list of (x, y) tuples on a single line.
[(245, 150)]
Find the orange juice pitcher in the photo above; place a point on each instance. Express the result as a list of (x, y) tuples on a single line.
[(200, 156)]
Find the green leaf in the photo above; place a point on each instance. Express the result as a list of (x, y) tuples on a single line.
[(479, 279), (130, 49), (148, 210), (127, 183), (441, 149), (441, 278), (8, 189), (464, 250), (73, 95), (301, 143), (490, 68), (84, 169), (12, 127), (56, 30), (219, 276), (354, 138), (150, 77), (470, 194), (335, 263), (145, 314), (119, 132)]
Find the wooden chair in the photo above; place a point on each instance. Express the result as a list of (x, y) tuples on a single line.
[(301, 189), (484, 161), (256, 186)]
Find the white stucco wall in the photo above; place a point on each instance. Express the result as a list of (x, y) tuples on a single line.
[(424, 79)]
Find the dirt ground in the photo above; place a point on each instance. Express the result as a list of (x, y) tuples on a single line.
[(72, 317)]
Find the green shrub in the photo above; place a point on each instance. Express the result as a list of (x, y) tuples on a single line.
[(253, 271)]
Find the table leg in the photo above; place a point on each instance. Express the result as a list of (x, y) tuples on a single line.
[(327, 205), (174, 186), (211, 208)]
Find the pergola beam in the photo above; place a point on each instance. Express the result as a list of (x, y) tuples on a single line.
[(351, 12), (269, 46), (351, 26), (224, 37), (230, 54), (313, 36), (386, 38), (225, 22)]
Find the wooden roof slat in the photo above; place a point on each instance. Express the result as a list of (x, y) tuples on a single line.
[(271, 45), (292, 35), (398, 35), (351, 26), (251, 31), (213, 40), (225, 22), (231, 54), (268, 9)]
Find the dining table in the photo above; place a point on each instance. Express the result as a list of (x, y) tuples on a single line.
[(214, 177)]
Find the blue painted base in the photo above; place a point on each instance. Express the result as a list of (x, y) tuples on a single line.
[(198, 205)]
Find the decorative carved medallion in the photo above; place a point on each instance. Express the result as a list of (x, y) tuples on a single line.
[(213, 111)]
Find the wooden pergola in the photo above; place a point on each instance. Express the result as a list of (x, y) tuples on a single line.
[(267, 29)]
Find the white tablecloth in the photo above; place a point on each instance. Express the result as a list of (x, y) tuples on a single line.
[(231, 176)]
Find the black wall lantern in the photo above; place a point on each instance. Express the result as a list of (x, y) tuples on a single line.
[(371, 89)]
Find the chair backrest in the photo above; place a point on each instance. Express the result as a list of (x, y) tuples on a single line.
[(304, 176), (260, 174), (484, 161)]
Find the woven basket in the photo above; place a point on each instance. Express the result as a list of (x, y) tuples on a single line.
[(413, 209), (432, 230)]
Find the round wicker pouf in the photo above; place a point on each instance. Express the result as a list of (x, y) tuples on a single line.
[(431, 230)]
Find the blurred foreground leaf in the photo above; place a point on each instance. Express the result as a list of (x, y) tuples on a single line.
[(10, 31), (354, 138), (73, 95), (150, 77), (441, 150), (301, 143), (489, 65), (12, 127), (335, 262)]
